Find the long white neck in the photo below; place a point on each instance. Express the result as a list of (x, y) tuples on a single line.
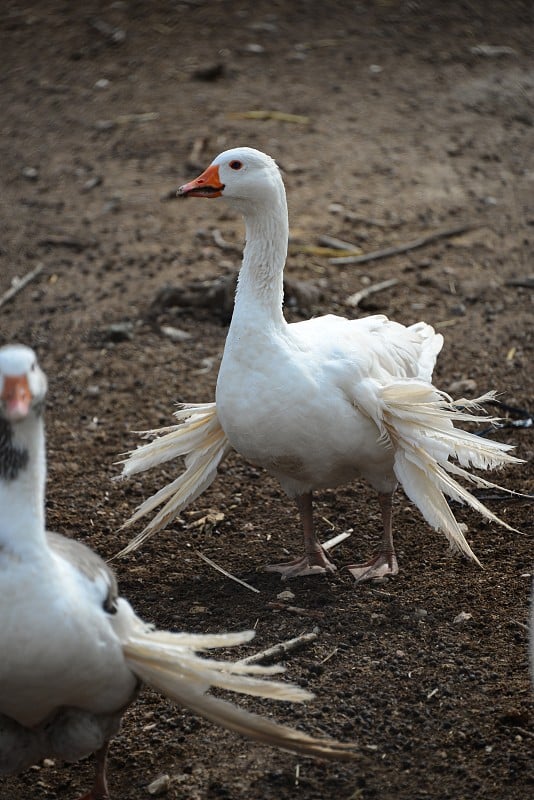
[(22, 486), (260, 287)]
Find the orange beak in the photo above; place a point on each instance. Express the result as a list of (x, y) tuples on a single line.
[(206, 185), (16, 396)]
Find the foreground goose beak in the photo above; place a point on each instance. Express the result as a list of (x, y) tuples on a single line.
[(206, 185), (16, 396)]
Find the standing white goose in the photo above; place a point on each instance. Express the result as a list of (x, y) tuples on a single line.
[(73, 653), (321, 402)]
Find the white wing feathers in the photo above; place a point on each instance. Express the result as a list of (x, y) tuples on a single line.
[(167, 662), (198, 438), (418, 421), (412, 416)]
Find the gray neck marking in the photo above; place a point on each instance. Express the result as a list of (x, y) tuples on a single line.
[(13, 459)]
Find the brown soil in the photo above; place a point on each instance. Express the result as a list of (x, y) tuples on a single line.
[(410, 130)]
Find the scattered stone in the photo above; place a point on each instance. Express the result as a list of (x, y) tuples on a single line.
[(216, 295), (174, 334), (30, 173), (105, 124), (463, 616), (256, 49), (96, 180), (119, 332), (420, 613), (160, 785), (112, 34), (287, 595), (209, 73), (112, 206), (462, 386), (303, 295), (102, 83)]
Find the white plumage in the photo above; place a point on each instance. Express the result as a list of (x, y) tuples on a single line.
[(74, 653), (321, 402)]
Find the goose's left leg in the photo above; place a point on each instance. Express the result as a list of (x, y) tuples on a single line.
[(315, 559), (100, 785), (385, 561)]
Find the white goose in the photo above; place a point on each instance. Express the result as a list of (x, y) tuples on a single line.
[(317, 403), (73, 653)]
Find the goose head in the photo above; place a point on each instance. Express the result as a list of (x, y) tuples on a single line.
[(244, 176), (22, 383)]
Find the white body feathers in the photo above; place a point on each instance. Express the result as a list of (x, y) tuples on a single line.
[(320, 402)]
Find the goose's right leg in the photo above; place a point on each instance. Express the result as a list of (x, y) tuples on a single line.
[(315, 560)]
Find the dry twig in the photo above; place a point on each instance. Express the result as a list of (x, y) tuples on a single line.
[(336, 244), (329, 656), (19, 283), (403, 248), (194, 159), (356, 298), (221, 242), (302, 612), (280, 116), (335, 540), (225, 572), (278, 650)]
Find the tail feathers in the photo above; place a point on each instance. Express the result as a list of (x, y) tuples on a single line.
[(203, 443), (198, 431), (429, 498), (182, 676), (430, 347), (418, 421)]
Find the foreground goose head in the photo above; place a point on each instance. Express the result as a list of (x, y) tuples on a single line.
[(22, 383), (73, 652)]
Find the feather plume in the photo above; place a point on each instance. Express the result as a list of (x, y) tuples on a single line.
[(201, 441), (419, 423), (167, 662)]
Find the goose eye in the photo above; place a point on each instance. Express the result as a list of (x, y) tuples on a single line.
[(235, 164)]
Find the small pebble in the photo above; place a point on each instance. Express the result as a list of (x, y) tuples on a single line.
[(30, 173), (463, 616), (96, 180), (174, 334), (257, 49), (160, 785), (462, 386), (287, 595), (105, 124), (119, 332)]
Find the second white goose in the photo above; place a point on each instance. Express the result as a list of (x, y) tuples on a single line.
[(321, 402)]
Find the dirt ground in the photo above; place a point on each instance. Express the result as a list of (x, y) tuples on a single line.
[(413, 117)]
